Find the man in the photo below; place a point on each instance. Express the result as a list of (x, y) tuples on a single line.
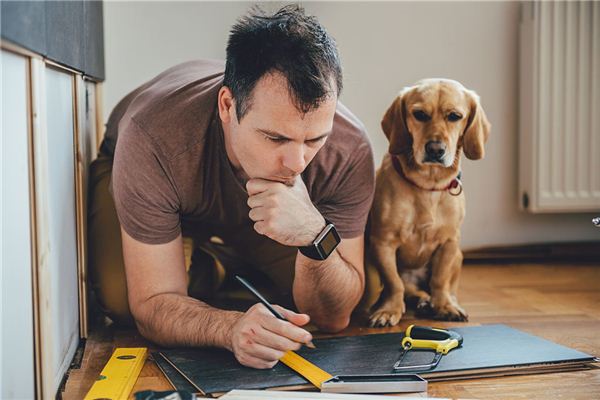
[(260, 165)]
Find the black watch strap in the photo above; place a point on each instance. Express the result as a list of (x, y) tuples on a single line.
[(323, 245)]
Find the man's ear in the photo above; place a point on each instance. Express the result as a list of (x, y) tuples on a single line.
[(478, 129), (395, 128), (226, 105)]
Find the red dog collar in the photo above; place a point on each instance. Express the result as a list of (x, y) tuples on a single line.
[(455, 183)]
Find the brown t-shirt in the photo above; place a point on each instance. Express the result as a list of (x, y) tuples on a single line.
[(171, 173)]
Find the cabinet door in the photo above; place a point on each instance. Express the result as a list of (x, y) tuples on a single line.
[(17, 345), (56, 222)]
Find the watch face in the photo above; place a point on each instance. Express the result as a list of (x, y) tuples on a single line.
[(329, 242)]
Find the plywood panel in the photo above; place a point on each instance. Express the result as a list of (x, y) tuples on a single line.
[(56, 220), (17, 345)]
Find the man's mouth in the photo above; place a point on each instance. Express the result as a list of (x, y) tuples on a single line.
[(288, 180)]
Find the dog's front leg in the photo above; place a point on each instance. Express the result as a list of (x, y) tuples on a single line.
[(446, 265), (392, 305)]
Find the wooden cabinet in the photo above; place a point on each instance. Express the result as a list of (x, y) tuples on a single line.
[(52, 61), (49, 125)]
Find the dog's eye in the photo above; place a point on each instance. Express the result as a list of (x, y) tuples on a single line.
[(421, 116), (453, 117)]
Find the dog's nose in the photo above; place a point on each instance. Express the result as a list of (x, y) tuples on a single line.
[(435, 149)]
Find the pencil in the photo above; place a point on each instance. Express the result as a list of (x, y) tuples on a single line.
[(264, 301)]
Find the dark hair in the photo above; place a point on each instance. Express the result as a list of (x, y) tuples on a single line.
[(288, 42)]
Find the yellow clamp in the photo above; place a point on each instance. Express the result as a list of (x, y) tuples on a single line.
[(440, 346)]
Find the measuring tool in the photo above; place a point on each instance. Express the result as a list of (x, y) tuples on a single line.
[(119, 374), (424, 338), (385, 383), (323, 380)]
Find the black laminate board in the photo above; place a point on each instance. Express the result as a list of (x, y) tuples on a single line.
[(177, 380), (487, 347)]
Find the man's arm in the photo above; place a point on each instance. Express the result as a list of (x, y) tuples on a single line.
[(329, 290), (326, 290), (157, 291)]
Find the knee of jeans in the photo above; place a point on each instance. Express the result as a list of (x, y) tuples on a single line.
[(119, 313), (206, 275), (112, 299)]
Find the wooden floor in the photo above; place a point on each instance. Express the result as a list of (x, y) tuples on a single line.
[(559, 302)]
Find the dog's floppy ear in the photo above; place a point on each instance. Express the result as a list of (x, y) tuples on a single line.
[(394, 126), (477, 130)]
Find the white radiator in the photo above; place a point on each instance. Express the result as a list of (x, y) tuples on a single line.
[(559, 121)]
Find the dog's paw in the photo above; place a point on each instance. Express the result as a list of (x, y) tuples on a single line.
[(389, 314), (451, 312), (424, 309)]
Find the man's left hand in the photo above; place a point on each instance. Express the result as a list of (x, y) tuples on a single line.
[(283, 212)]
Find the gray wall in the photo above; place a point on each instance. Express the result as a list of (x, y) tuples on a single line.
[(384, 46), (68, 32)]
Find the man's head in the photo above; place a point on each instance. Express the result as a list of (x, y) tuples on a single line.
[(282, 81)]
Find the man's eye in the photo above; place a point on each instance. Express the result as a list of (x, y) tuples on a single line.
[(421, 116), (453, 117), (275, 139), (315, 142)]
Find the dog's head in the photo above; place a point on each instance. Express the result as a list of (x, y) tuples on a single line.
[(432, 120)]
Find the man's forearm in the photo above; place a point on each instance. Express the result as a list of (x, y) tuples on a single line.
[(328, 291), (172, 319)]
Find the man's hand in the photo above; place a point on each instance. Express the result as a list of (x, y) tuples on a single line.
[(283, 212), (259, 339)]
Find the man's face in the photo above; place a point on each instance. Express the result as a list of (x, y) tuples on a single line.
[(274, 140)]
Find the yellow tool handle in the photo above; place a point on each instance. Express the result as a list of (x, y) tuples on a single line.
[(439, 346), (310, 371), (424, 337)]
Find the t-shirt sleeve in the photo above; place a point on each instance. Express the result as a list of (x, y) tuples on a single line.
[(145, 196), (348, 205)]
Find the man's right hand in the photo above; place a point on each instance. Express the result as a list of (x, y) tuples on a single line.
[(259, 339)]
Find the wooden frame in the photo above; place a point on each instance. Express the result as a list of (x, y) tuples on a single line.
[(41, 222), (80, 210), (99, 116), (34, 235)]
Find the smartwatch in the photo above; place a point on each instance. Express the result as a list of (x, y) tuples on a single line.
[(324, 243)]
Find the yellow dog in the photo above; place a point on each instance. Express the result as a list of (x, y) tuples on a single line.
[(419, 205)]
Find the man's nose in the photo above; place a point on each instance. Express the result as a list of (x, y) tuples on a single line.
[(293, 159), (435, 149)]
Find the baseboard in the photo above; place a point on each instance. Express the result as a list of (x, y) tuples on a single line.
[(571, 251)]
